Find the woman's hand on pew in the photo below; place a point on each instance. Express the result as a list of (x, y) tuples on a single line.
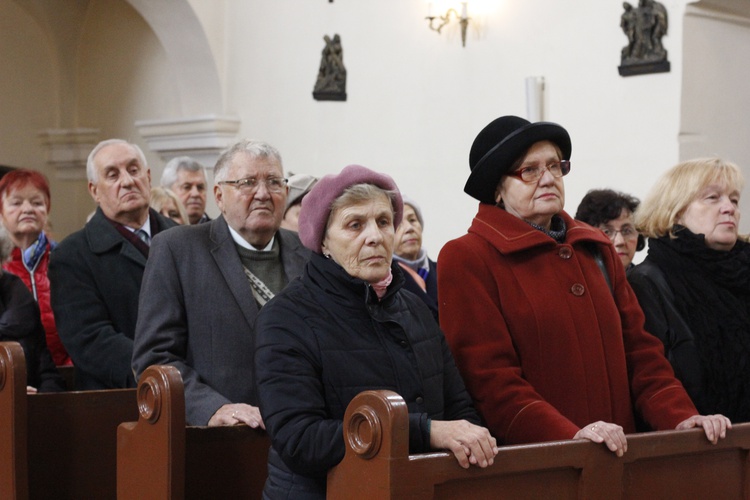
[(610, 434), (237, 413), (471, 444), (715, 426)]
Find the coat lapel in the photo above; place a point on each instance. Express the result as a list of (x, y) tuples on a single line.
[(103, 237), (228, 261)]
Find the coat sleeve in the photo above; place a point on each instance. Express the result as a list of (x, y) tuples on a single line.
[(458, 403), (291, 393), (83, 319), (657, 395), (651, 302), (473, 321), (20, 321), (161, 334)]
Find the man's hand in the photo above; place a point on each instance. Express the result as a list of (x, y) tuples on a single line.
[(237, 413)]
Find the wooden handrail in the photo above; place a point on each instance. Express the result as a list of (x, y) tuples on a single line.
[(671, 464)]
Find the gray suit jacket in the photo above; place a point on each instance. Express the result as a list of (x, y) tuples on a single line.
[(197, 313)]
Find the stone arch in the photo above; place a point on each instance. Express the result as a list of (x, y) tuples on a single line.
[(199, 84)]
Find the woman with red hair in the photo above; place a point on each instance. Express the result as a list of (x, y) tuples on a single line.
[(24, 208)]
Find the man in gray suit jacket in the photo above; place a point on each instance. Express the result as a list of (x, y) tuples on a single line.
[(204, 285)]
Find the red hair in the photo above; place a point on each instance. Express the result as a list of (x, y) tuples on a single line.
[(20, 178)]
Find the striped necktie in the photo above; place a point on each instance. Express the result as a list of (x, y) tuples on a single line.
[(143, 235)]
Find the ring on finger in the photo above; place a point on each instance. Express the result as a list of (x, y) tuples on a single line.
[(593, 427)]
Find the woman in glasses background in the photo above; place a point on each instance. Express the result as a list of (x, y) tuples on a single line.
[(535, 306), (612, 212)]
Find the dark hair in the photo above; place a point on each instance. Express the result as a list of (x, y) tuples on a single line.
[(600, 206)]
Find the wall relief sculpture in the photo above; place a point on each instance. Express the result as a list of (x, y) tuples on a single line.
[(331, 82), (644, 26)]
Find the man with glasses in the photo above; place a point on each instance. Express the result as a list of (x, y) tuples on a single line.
[(205, 283)]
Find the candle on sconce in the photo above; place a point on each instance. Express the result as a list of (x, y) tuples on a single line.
[(464, 11)]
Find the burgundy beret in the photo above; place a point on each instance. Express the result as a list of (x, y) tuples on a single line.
[(316, 206)]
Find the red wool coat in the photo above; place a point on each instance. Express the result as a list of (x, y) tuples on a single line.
[(544, 345)]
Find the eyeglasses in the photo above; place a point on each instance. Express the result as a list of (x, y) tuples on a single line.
[(249, 185), (627, 232), (533, 174)]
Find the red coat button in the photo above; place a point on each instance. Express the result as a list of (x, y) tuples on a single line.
[(565, 252), (577, 289)]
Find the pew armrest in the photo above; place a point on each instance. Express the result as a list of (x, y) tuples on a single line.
[(13, 421), (151, 451)]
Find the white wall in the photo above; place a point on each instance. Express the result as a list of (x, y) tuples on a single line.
[(716, 101), (417, 99), (28, 89)]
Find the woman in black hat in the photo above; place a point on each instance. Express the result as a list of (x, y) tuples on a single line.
[(543, 325)]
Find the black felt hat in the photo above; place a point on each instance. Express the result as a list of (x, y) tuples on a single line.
[(500, 144)]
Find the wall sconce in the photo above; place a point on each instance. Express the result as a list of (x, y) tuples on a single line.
[(463, 19)]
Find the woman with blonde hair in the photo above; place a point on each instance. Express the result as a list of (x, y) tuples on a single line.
[(166, 202), (694, 285)]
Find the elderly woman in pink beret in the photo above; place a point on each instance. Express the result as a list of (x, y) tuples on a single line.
[(344, 327)]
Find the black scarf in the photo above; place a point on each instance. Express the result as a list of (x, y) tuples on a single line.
[(712, 293), (557, 228)]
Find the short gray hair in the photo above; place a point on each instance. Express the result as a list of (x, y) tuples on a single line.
[(173, 166), (255, 149), (91, 168)]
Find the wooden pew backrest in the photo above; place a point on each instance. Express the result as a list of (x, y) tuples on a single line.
[(657, 465), (13, 458), (64, 444), (160, 457)]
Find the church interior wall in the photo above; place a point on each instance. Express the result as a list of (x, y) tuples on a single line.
[(416, 99)]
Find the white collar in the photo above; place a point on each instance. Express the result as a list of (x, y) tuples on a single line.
[(244, 244), (146, 227)]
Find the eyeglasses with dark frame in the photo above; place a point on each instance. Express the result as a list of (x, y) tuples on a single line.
[(627, 232), (534, 173), (250, 185)]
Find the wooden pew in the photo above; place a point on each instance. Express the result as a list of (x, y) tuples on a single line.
[(657, 465), (59, 445), (68, 373), (160, 457)]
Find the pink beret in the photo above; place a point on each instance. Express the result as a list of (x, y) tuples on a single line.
[(316, 206)]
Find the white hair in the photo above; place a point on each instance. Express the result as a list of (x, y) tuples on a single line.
[(256, 149), (173, 166), (91, 173)]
